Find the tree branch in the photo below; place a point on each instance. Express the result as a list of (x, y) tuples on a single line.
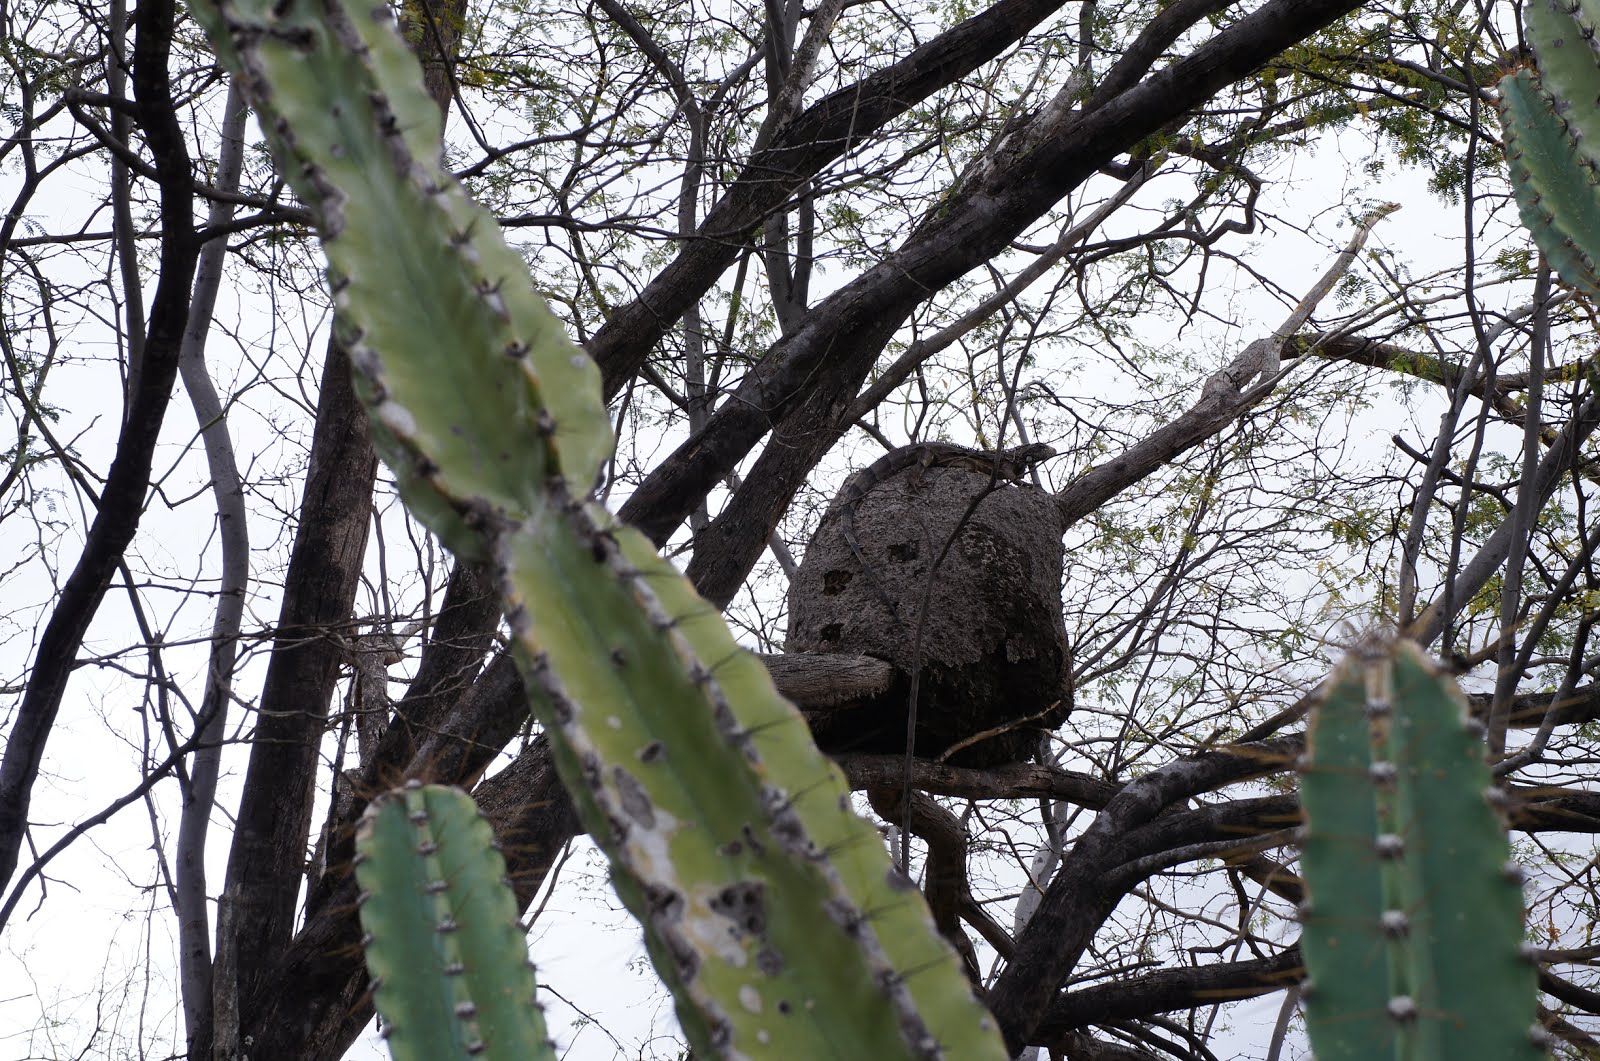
[(806, 379), (122, 500)]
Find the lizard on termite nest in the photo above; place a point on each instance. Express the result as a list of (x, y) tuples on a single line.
[(938, 559)]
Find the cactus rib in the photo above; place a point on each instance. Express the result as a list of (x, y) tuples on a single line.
[(1570, 73), (1348, 972), (1413, 928), (449, 964), (1556, 198), (769, 908)]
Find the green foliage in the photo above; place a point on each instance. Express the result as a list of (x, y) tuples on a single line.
[(769, 909), (1412, 933), (447, 955), (1366, 74)]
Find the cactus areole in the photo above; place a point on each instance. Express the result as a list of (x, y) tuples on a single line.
[(1412, 932), (1552, 137), (448, 957), (768, 907)]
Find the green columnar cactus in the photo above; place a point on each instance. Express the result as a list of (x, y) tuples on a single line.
[(448, 959), (770, 909), (1552, 136), (1412, 933)]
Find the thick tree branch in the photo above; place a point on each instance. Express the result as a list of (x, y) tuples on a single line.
[(1016, 781), (1075, 904), (824, 132), (267, 861), (807, 378), (1168, 990)]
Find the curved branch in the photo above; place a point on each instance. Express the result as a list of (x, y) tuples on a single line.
[(1167, 990), (1075, 904), (189, 893), (122, 501)]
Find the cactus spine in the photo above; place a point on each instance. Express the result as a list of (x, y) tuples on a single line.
[(1412, 933), (449, 963), (1413, 930), (1552, 136), (770, 909)]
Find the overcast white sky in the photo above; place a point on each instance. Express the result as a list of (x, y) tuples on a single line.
[(96, 950)]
